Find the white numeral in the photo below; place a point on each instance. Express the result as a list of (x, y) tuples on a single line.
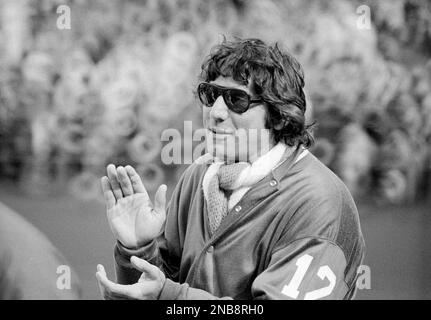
[(303, 263), (324, 272)]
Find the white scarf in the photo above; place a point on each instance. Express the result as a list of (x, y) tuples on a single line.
[(249, 176)]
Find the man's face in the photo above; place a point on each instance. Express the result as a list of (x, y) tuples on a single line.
[(233, 136)]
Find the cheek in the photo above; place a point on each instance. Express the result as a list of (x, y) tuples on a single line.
[(252, 119)]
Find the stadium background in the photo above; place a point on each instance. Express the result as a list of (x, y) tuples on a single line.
[(72, 101)]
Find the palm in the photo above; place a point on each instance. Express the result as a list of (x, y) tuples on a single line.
[(134, 221)]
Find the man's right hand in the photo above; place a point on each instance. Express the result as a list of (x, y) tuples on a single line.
[(133, 219)]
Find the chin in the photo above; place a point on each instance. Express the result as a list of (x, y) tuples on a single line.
[(227, 150)]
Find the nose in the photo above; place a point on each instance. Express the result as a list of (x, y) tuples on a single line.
[(219, 111)]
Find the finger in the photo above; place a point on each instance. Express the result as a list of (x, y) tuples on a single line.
[(110, 289), (125, 182), (102, 289), (113, 179), (160, 199), (107, 192), (101, 269), (137, 184), (140, 264)]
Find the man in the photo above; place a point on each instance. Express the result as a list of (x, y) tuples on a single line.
[(31, 268), (252, 223)]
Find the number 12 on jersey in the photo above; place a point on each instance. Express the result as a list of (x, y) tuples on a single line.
[(303, 264)]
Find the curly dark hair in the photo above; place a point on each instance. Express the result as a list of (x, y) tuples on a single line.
[(272, 75)]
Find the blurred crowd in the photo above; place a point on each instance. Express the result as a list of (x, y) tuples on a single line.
[(72, 101)]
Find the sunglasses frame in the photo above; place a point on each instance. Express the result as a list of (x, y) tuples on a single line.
[(223, 92)]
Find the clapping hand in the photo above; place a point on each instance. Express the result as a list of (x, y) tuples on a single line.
[(148, 286), (132, 217)]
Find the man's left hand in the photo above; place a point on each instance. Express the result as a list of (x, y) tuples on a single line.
[(148, 287)]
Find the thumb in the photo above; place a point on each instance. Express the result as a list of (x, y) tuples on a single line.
[(160, 199), (145, 267)]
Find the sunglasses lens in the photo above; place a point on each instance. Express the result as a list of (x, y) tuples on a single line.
[(237, 100), (207, 94)]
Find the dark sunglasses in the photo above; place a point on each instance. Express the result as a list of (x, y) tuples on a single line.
[(236, 100)]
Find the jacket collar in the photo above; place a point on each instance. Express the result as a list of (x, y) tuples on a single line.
[(288, 159)]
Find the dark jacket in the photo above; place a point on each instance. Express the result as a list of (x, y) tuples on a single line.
[(294, 235)]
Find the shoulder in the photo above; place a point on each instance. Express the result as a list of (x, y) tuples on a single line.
[(15, 229), (23, 249), (318, 181), (322, 204), (321, 208)]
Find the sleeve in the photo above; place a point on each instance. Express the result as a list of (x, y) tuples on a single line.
[(163, 252), (175, 291), (171, 290), (307, 269)]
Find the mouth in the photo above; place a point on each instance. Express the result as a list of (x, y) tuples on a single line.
[(221, 131)]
